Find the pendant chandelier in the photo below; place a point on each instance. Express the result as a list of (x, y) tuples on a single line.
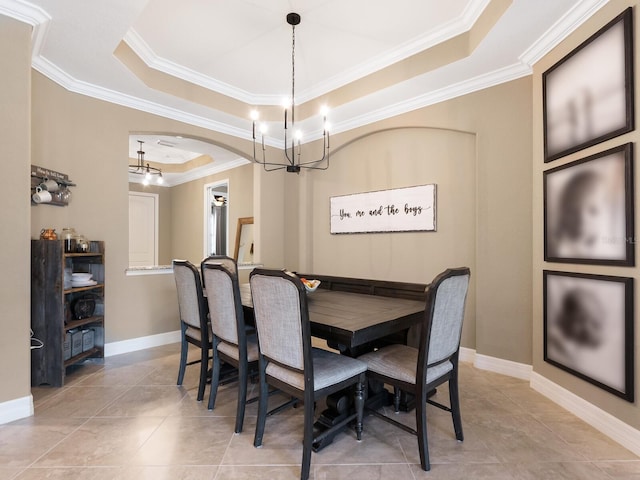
[(147, 171), (292, 160)]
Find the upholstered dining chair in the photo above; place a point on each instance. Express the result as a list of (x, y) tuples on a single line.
[(230, 341), (289, 363), (193, 320), (420, 370)]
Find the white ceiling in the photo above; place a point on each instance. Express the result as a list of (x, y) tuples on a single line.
[(242, 50)]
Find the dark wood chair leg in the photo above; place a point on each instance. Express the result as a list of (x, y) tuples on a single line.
[(307, 443), (396, 399), (359, 404), (421, 428), (454, 402), (184, 350), (215, 378), (242, 395), (204, 366), (262, 405)]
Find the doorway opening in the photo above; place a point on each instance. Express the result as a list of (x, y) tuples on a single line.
[(216, 221)]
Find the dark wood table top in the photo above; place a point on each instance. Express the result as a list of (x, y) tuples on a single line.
[(353, 319)]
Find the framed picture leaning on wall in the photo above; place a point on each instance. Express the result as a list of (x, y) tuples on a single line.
[(588, 95), (588, 328), (589, 210)]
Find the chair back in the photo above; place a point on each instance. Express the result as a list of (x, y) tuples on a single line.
[(282, 318), (225, 306), (223, 260), (190, 298), (444, 314)]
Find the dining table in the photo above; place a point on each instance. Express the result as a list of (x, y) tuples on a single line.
[(355, 316)]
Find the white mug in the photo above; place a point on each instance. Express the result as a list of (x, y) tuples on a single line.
[(50, 185), (41, 196)]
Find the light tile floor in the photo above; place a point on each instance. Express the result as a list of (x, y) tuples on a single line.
[(126, 419)]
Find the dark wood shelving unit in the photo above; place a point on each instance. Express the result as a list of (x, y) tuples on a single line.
[(51, 307)]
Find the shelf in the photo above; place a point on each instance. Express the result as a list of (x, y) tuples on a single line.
[(82, 254), (51, 302), (84, 289), (82, 356), (85, 321)]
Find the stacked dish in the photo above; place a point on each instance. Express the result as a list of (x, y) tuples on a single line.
[(82, 280)]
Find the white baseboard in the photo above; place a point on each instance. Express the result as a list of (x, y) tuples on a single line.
[(467, 355), (16, 409), (497, 365), (140, 343), (505, 367), (616, 429)]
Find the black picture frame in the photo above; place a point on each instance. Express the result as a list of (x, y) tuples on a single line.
[(589, 209), (588, 96), (588, 328)]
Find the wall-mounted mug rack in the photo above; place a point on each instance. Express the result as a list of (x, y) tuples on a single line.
[(49, 187)]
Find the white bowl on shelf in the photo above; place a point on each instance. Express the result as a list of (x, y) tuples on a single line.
[(81, 277)]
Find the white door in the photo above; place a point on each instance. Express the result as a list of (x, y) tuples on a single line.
[(143, 229)]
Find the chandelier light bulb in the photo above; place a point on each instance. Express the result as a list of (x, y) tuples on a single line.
[(324, 110), (327, 126), (298, 135), (160, 180), (264, 128), (255, 114), (145, 182)]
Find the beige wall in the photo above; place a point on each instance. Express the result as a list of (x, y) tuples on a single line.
[(393, 159), (627, 412), (15, 64), (477, 148), (88, 140)]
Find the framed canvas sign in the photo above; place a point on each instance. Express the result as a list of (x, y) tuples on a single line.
[(410, 209), (588, 328), (589, 210), (588, 95)]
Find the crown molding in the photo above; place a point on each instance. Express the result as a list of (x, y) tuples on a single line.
[(560, 30), (24, 12), (59, 76), (480, 82), (32, 15), (202, 172)]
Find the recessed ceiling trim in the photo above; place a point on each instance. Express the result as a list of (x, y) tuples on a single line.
[(560, 30), (447, 30), (148, 56)]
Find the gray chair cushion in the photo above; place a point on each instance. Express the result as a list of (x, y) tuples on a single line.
[(233, 352), (400, 362), (328, 369)]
